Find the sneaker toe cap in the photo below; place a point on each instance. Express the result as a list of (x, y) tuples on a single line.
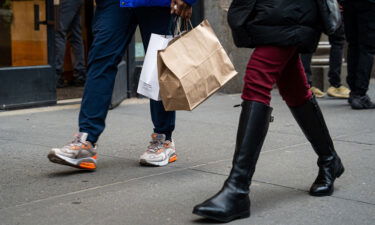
[(152, 157)]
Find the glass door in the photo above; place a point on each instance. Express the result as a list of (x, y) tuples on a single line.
[(26, 53)]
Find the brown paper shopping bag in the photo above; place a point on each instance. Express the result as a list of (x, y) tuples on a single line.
[(193, 67)]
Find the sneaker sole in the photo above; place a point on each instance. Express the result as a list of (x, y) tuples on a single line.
[(83, 163), (361, 107), (319, 96), (170, 159), (338, 96)]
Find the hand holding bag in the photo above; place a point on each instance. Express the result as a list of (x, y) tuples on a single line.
[(330, 14), (192, 68)]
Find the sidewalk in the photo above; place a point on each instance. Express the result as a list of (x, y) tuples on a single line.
[(34, 191)]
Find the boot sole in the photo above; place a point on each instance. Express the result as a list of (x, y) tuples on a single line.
[(331, 192), (241, 215)]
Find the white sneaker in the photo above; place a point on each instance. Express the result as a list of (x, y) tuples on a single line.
[(80, 153), (160, 152)]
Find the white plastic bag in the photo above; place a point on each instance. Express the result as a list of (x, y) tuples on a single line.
[(149, 80)]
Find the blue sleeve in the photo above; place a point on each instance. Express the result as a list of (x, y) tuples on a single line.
[(144, 3), (190, 2), (131, 3)]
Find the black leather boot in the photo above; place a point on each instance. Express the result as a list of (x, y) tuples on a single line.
[(233, 201), (311, 120)]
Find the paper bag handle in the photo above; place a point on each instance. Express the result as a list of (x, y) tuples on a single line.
[(177, 28)]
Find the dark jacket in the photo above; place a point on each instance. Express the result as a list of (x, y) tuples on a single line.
[(276, 22)]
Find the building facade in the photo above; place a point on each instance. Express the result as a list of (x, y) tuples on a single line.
[(27, 30), (27, 40)]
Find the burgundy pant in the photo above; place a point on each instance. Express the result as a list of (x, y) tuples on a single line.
[(270, 65)]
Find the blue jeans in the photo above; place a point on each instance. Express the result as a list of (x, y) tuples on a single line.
[(113, 29)]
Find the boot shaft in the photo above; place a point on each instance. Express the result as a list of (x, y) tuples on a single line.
[(310, 118), (252, 129)]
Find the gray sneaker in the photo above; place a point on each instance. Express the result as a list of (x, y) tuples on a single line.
[(361, 102), (160, 152), (80, 153)]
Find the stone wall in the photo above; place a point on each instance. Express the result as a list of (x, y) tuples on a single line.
[(216, 13)]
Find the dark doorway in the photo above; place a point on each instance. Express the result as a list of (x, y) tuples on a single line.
[(71, 91), (26, 59)]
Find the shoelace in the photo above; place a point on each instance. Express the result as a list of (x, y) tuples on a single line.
[(154, 146), (76, 142)]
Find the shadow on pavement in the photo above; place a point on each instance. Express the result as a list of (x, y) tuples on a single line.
[(68, 173)]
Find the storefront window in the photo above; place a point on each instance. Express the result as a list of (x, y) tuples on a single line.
[(20, 43)]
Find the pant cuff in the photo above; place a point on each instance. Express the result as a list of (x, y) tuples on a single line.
[(168, 134)]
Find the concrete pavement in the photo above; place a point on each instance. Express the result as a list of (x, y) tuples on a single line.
[(35, 191)]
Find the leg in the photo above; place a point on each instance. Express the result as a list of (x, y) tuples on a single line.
[(164, 122), (311, 120), (365, 50), (233, 202), (263, 69), (366, 45), (351, 33), (77, 46), (66, 15), (113, 29), (306, 61), (292, 83), (337, 41), (365, 64), (157, 20), (307, 113)]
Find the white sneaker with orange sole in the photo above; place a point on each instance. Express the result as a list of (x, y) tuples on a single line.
[(79, 153), (160, 152)]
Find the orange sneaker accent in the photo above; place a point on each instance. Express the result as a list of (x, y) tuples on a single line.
[(87, 146), (87, 165), (75, 148), (173, 158)]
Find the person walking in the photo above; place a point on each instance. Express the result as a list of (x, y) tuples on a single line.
[(69, 27), (337, 90), (279, 34), (113, 29), (359, 20)]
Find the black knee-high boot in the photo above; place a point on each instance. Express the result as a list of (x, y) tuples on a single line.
[(233, 201), (311, 120)]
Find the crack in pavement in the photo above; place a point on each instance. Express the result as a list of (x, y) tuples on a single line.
[(356, 142), (288, 187), (176, 170), (90, 189)]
